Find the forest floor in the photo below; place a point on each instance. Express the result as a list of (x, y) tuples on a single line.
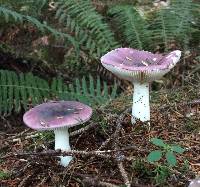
[(175, 117)]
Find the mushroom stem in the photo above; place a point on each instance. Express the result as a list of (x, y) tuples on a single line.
[(140, 108), (62, 142)]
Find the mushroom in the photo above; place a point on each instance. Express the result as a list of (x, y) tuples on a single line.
[(195, 183), (58, 116), (140, 68)]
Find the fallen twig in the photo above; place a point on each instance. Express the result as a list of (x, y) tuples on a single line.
[(115, 134), (81, 130), (192, 102), (124, 174), (58, 153), (23, 182), (95, 182), (24, 135), (121, 157), (104, 154), (91, 180)]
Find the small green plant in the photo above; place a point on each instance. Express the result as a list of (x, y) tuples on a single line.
[(185, 167), (141, 169), (4, 175), (161, 174), (165, 149)]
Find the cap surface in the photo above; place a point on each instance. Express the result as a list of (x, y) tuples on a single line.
[(53, 115), (135, 65)]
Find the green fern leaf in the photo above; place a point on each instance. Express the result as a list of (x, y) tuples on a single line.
[(132, 25), (25, 90), (40, 26), (90, 30)]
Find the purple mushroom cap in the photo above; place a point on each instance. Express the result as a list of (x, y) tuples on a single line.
[(135, 65), (59, 114)]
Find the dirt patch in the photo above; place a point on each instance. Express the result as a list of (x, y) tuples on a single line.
[(174, 118)]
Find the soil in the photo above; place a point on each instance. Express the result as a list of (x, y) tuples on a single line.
[(175, 117)]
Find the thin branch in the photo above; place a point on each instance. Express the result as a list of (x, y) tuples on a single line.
[(58, 152), (95, 182), (25, 135), (124, 174), (192, 102), (120, 157), (81, 130), (114, 136)]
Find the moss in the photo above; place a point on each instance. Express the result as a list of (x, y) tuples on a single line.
[(4, 175), (191, 126)]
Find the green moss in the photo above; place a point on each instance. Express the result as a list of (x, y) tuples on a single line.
[(4, 175), (161, 175), (190, 125), (140, 169)]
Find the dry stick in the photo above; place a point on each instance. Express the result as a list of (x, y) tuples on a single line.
[(115, 134), (95, 182), (81, 130), (119, 157), (103, 145), (23, 182), (58, 152), (19, 135), (192, 102), (119, 121), (124, 174), (34, 134), (42, 182)]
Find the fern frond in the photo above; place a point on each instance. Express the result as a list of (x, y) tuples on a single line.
[(20, 91), (173, 23), (132, 25), (29, 7), (81, 18), (9, 15)]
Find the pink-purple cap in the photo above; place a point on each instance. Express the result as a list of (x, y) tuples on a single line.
[(58, 114), (134, 65)]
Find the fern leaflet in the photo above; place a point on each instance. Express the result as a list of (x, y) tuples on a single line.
[(23, 90), (132, 25), (9, 15), (81, 18)]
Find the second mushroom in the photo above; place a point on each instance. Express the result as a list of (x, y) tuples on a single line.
[(140, 68), (58, 116)]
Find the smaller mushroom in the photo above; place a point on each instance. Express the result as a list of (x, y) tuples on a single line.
[(58, 116)]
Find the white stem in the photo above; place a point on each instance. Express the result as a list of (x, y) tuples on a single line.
[(141, 108), (62, 142)]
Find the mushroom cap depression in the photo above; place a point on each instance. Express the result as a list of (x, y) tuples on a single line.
[(139, 66), (59, 114)]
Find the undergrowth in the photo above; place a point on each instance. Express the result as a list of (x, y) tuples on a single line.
[(25, 90)]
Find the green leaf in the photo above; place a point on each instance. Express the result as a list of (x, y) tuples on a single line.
[(158, 142), (154, 156), (17, 91), (177, 149), (171, 158)]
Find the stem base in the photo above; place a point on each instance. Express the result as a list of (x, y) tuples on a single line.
[(62, 142)]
